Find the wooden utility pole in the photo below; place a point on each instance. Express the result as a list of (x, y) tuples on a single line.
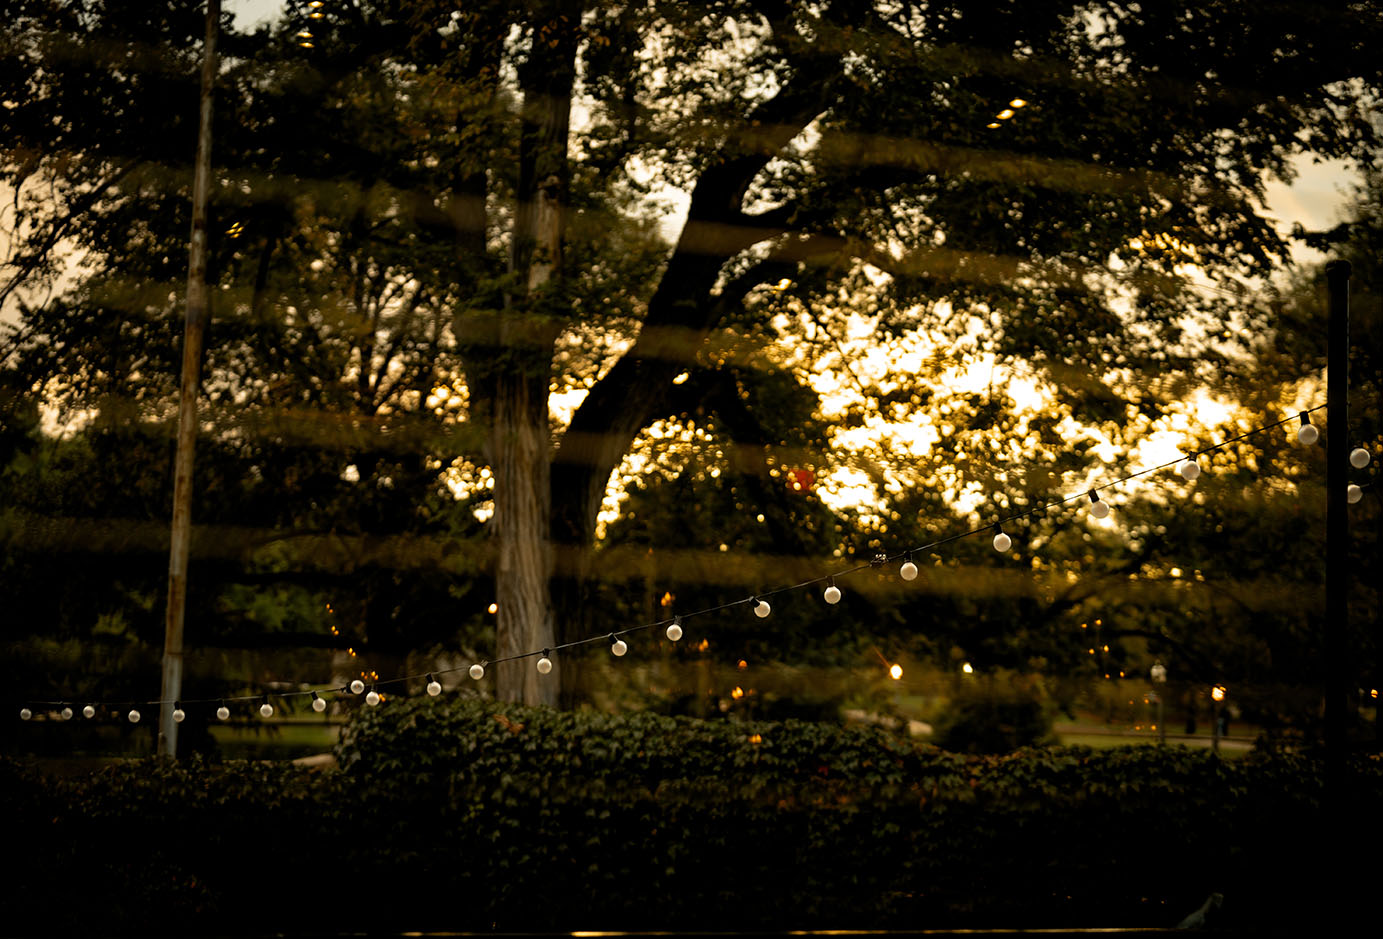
[(193, 333), (1336, 517)]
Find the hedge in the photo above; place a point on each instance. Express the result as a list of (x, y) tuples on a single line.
[(459, 815)]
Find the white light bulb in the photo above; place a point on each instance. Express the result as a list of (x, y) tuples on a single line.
[(319, 704), (1359, 458), (178, 715), (477, 671), (908, 571), (1308, 434), (88, 711), (434, 687), (1002, 542), (831, 594), (619, 647), (1189, 469), (372, 698), (1354, 493), (133, 716), (544, 665), (222, 713), (1099, 509), (25, 714), (762, 609), (67, 714), (357, 686), (266, 710), (674, 632)]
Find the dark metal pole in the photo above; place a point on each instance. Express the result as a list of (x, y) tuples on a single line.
[(193, 332), (1336, 517)]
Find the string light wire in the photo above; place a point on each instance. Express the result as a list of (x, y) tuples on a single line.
[(673, 624)]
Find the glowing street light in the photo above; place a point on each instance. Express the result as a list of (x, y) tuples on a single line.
[(1158, 674)]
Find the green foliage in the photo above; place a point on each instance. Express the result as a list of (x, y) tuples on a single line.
[(451, 814)]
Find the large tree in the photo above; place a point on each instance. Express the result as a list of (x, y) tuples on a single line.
[(1027, 179)]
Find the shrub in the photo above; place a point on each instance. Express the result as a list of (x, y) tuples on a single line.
[(994, 720), (456, 815)]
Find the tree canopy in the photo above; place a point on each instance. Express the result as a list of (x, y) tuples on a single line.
[(433, 225)]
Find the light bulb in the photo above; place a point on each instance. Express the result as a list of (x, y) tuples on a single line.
[(674, 632), (908, 571), (88, 711), (434, 687), (266, 710), (1189, 469), (1098, 507), (619, 647), (831, 594), (544, 665), (319, 704), (477, 671), (133, 716), (762, 609), (222, 713), (178, 714), (372, 698), (357, 686), (1308, 433), (25, 714), (1002, 542), (1359, 458), (67, 714), (1354, 493)]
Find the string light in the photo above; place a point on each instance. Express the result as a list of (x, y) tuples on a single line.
[(832, 593), (1307, 434), (25, 714), (909, 570), (372, 699), (1354, 493), (65, 713), (617, 646), (178, 713), (1359, 458), (1186, 466)]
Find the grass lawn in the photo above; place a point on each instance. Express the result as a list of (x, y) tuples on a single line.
[(274, 741)]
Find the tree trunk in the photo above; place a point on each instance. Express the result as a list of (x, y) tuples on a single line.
[(520, 445), (521, 465)]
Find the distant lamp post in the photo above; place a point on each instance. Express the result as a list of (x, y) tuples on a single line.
[(1158, 673), (1217, 695)]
